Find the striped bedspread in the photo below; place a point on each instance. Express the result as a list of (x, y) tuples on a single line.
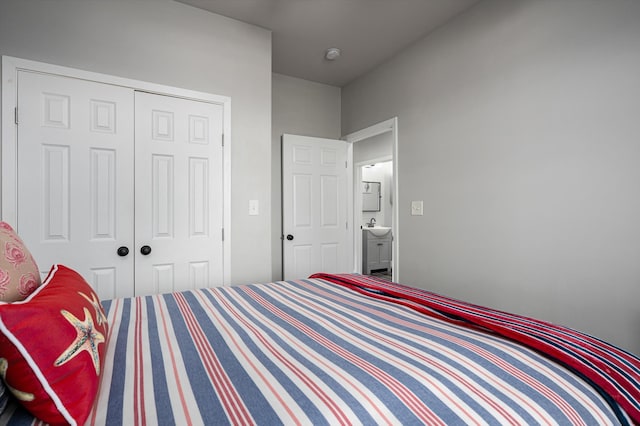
[(316, 352), (614, 371)]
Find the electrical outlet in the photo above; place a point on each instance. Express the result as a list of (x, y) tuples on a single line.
[(417, 208)]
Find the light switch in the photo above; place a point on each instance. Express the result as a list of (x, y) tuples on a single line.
[(416, 208), (253, 208)]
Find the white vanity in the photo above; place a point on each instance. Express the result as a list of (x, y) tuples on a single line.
[(376, 249)]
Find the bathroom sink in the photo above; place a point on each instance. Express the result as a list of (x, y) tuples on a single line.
[(379, 231)]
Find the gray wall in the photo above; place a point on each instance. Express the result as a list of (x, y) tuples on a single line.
[(373, 148), (383, 173), (519, 128), (300, 107), (169, 43)]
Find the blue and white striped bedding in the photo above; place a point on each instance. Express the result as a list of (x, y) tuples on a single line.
[(312, 352)]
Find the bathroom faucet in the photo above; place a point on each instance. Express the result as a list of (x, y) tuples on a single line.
[(372, 222)]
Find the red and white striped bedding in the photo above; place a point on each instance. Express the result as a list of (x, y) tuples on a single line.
[(321, 352)]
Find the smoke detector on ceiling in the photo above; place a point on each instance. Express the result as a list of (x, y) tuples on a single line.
[(332, 53)]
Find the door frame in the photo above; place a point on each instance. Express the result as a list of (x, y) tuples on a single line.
[(9, 136), (390, 125)]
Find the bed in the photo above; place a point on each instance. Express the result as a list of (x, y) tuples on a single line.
[(340, 349)]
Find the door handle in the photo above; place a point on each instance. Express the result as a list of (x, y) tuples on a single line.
[(145, 250), (123, 251), (289, 237)]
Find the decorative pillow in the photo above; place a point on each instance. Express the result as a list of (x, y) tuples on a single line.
[(52, 346), (19, 275)]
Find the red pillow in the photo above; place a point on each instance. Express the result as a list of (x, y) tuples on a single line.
[(19, 275), (52, 348)]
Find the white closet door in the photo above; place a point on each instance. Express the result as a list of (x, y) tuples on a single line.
[(75, 177), (178, 185)]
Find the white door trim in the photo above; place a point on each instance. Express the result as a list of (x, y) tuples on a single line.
[(390, 125), (9, 136)]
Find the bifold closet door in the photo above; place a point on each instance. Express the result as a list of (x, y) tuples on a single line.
[(178, 187), (75, 178)]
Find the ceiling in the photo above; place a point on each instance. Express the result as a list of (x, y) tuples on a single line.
[(368, 32)]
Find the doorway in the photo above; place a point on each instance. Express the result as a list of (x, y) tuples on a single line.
[(377, 144)]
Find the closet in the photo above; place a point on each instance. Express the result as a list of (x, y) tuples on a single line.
[(122, 185)]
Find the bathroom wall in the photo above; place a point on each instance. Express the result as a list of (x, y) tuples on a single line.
[(380, 172)]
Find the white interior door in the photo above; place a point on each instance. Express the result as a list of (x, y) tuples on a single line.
[(75, 177), (315, 206), (179, 195)]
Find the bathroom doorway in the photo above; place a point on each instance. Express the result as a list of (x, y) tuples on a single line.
[(375, 174)]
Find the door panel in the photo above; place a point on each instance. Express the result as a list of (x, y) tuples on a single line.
[(103, 193), (55, 192), (178, 202), (163, 278), (162, 182), (329, 202), (75, 174), (329, 257), (314, 184)]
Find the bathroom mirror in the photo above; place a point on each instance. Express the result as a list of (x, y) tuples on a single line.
[(370, 196)]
